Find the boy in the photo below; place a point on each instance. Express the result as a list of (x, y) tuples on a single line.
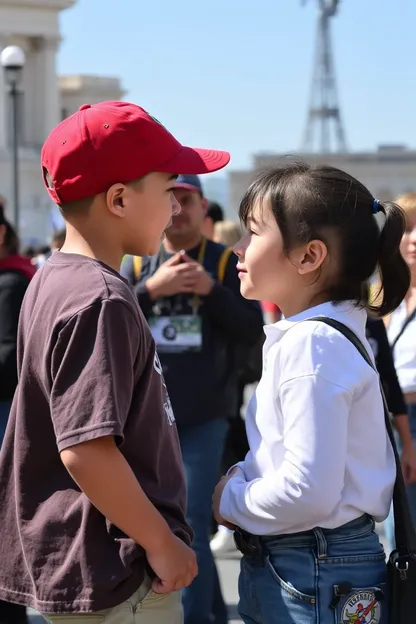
[(92, 492)]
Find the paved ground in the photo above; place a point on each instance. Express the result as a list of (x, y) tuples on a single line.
[(229, 567)]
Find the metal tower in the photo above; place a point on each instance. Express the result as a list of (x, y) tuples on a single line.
[(324, 112)]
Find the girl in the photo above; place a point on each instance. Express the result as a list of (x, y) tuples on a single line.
[(320, 470)]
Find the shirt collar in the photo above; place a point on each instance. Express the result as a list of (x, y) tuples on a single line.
[(345, 312)]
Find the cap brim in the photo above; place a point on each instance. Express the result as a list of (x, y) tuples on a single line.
[(195, 161)]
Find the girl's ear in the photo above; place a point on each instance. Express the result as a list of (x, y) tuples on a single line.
[(311, 257)]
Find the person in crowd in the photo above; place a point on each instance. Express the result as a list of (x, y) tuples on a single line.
[(58, 240), (16, 271), (321, 469), (213, 214), (92, 490), (190, 295), (401, 330), (226, 233), (378, 340), (29, 251)]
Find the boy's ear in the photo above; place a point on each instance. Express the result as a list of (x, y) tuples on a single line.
[(115, 199)]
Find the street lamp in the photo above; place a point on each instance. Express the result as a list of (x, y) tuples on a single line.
[(12, 59)]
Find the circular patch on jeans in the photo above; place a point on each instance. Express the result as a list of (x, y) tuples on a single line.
[(362, 607)]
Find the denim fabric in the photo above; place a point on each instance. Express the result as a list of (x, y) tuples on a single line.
[(317, 577), (202, 450)]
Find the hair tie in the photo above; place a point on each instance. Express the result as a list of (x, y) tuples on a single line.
[(379, 215)]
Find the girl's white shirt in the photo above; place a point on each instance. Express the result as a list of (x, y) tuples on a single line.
[(319, 449), (404, 352)]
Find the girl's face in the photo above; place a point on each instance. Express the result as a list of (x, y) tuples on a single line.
[(408, 245), (268, 273), (265, 271)]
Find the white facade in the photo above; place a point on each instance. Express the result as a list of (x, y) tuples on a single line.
[(34, 26), (387, 172), (81, 89)]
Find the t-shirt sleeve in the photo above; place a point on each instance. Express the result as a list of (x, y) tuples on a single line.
[(92, 369)]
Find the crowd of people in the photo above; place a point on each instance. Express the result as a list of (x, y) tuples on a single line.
[(126, 347)]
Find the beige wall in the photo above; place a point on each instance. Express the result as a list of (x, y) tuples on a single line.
[(78, 90)]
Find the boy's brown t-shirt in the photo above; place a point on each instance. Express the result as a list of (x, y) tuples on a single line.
[(87, 368)]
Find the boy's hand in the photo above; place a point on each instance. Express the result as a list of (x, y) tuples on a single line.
[(174, 564)]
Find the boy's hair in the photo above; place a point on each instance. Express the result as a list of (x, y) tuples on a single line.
[(325, 203), (82, 206)]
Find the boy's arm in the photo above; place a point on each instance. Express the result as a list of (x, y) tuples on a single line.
[(121, 499), (92, 387)]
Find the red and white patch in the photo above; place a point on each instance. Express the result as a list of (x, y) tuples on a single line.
[(362, 607)]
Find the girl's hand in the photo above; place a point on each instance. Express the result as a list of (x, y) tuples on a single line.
[(216, 499)]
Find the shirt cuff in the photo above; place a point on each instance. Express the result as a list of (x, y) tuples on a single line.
[(239, 465)]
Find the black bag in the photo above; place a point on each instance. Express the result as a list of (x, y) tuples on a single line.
[(402, 562)]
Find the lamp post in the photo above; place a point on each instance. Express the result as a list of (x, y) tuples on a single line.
[(12, 60)]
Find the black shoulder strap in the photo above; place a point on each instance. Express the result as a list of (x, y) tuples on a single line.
[(407, 322), (405, 533)]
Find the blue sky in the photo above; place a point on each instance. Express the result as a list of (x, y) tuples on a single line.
[(235, 74)]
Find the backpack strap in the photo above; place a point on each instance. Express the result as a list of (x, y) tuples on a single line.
[(222, 263)]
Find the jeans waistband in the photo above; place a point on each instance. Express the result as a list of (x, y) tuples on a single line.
[(253, 545)]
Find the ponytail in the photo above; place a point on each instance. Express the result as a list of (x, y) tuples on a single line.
[(393, 270)]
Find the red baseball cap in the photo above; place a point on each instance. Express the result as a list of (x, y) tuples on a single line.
[(110, 142)]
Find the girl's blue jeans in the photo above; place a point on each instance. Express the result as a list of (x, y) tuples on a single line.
[(317, 577)]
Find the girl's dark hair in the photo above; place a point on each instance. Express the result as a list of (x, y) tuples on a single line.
[(11, 240), (325, 203)]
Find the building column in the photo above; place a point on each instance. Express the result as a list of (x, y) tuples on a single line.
[(51, 96), (3, 101)]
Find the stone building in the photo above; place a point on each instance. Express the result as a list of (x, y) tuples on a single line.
[(43, 101)]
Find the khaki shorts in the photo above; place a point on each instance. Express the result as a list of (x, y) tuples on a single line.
[(144, 607)]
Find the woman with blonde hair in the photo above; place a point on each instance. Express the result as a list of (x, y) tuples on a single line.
[(401, 330)]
